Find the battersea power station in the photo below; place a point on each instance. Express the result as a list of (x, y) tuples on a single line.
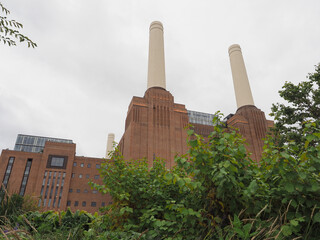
[(155, 127)]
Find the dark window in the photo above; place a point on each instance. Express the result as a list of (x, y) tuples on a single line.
[(98, 166), (57, 161), (89, 165), (73, 175), (78, 190), (84, 203), (74, 164), (103, 204), (87, 175), (68, 203), (85, 191), (81, 165), (76, 203), (8, 172), (94, 191), (70, 190), (80, 175), (25, 177), (96, 176), (93, 204)]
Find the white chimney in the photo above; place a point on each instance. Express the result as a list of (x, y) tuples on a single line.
[(240, 77)]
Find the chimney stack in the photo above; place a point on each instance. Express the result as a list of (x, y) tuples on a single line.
[(110, 144), (156, 68), (240, 77)]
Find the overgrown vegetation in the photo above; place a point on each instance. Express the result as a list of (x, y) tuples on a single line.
[(215, 191)]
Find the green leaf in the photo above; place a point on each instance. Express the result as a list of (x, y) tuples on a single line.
[(289, 187), (286, 231), (316, 217), (285, 155), (294, 222), (194, 143)]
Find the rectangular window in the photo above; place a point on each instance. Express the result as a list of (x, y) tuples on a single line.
[(57, 161), (76, 203), (93, 204), (84, 203), (81, 165), (98, 166), (52, 187), (74, 164), (96, 176), (94, 191), (80, 175), (103, 204), (70, 190), (87, 176), (85, 191), (73, 175), (56, 191), (89, 165), (25, 177), (68, 203), (78, 190), (8, 172)]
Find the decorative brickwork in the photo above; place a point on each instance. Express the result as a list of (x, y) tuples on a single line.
[(253, 126), (155, 127)]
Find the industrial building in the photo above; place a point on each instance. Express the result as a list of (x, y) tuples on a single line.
[(49, 170)]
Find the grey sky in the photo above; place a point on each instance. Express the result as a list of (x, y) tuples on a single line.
[(92, 58)]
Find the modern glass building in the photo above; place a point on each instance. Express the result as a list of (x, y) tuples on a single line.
[(200, 118), (28, 143)]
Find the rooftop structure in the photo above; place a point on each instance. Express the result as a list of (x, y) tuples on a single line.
[(29, 143)]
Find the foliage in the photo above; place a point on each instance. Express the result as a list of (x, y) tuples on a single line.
[(303, 106), (9, 30), (10, 206), (218, 192)]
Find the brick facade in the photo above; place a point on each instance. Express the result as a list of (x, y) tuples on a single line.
[(57, 187)]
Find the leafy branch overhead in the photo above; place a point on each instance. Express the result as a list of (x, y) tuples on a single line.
[(9, 30)]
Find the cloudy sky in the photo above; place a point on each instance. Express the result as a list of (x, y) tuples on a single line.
[(92, 58)]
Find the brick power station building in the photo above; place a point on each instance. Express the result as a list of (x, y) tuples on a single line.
[(48, 168)]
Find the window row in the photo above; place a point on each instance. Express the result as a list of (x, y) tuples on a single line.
[(85, 191), (73, 175), (84, 204), (88, 165)]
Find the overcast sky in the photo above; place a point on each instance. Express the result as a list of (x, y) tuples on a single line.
[(92, 58)]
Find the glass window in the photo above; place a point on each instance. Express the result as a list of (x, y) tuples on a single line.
[(93, 204), (81, 165), (84, 203), (68, 203), (73, 175), (94, 191), (70, 190), (78, 190), (89, 165), (103, 204), (74, 164), (98, 166), (57, 161), (87, 175), (85, 191), (80, 175), (76, 203), (96, 176)]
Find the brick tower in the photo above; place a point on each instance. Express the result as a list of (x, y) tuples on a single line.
[(250, 120), (155, 124)]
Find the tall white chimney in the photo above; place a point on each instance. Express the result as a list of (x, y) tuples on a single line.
[(156, 66), (240, 77), (110, 144)]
